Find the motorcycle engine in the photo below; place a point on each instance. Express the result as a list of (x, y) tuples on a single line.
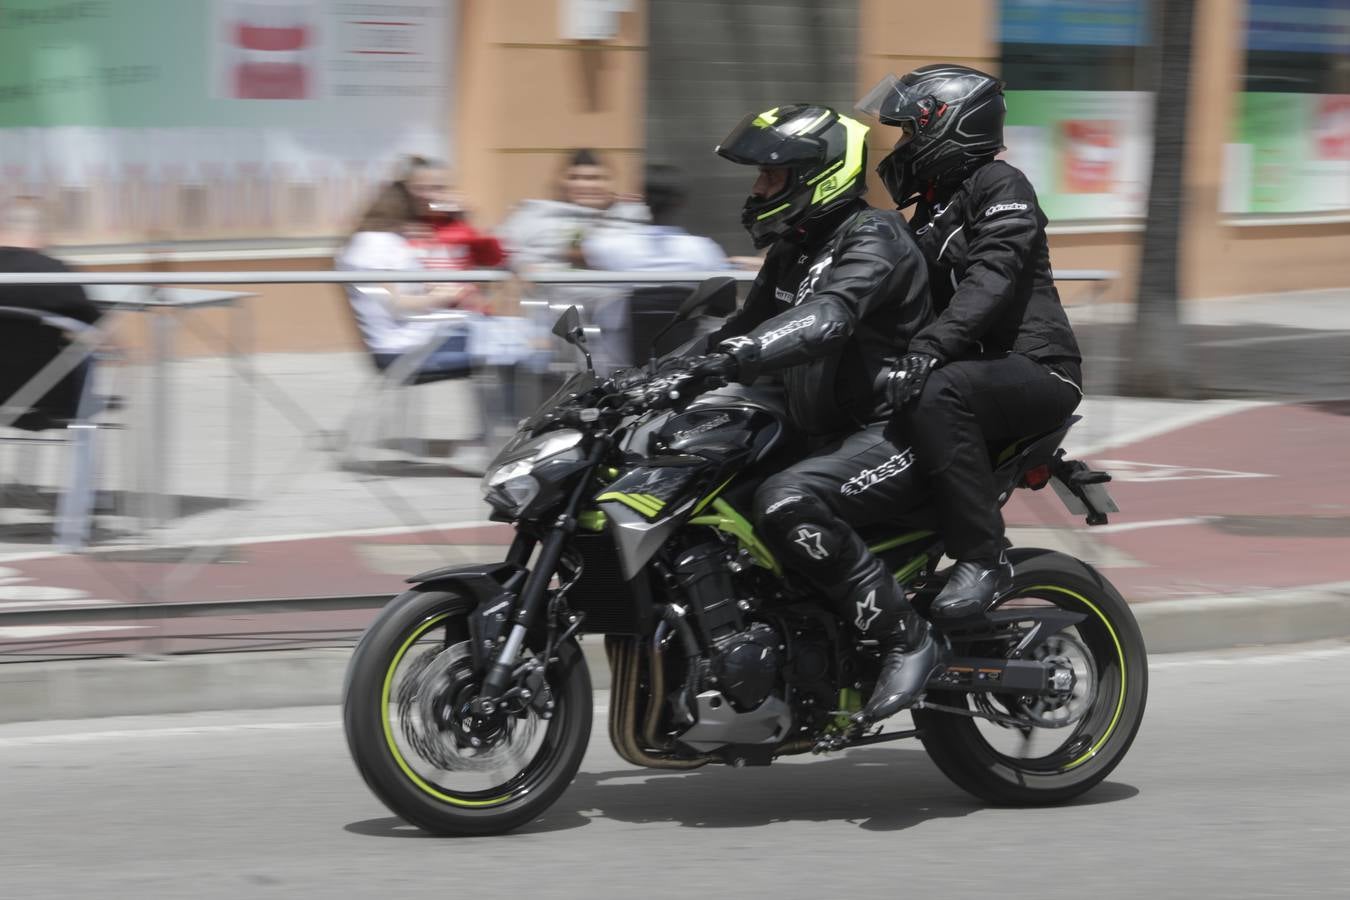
[(747, 666), (745, 659)]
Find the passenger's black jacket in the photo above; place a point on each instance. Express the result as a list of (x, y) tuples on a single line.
[(828, 309), (989, 265)]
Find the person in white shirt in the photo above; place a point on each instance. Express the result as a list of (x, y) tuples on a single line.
[(660, 246), (550, 235)]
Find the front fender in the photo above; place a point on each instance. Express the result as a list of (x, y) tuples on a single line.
[(491, 589), (481, 580)]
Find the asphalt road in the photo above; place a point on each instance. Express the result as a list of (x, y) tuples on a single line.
[(1238, 786)]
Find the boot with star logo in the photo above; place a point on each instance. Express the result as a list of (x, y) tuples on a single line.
[(909, 653)]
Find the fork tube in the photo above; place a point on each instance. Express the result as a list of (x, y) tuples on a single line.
[(536, 585), (521, 548)]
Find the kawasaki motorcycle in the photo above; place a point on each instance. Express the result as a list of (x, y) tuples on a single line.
[(468, 701)]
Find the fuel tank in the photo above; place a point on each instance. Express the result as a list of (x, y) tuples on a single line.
[(727, 435)]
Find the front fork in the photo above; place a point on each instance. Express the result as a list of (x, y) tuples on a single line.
[(532, 597)]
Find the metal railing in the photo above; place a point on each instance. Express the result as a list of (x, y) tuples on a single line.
[(475, 276), (168, 609)]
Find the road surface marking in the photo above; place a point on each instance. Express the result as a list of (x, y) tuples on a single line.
[(1264, 659), (33, 632), (273, 539), (117, 734), (1271, 339), (1140, 526), (1127, 470)]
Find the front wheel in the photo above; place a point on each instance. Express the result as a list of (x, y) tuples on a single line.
[(1057, 749), (409, 684)]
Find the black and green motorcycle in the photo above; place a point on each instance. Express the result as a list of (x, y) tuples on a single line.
[(468, 702)]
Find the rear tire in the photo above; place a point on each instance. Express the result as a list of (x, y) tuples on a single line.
[(959, 748), (403, 781)]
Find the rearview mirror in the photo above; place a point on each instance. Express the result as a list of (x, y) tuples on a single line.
[(568, 327)]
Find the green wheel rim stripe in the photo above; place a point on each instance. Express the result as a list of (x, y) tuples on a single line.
[(1120, 653), (389, 733)]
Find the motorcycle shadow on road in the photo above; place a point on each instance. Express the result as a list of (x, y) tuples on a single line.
[(877, 789)]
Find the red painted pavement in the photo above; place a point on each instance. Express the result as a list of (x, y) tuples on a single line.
[(1305, 449)]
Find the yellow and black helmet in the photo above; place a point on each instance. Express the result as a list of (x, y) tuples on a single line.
[(825, 155)]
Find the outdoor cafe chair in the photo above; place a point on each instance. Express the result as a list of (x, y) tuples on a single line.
[(29, 341)]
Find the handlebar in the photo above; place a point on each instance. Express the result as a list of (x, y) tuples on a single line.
[(663, 391)]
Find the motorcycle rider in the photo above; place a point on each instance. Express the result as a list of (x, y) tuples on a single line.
[(1000, 361), (842, 288)]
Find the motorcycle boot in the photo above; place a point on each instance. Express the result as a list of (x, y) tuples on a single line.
[(878, 610), (821, 546), (972, 586)]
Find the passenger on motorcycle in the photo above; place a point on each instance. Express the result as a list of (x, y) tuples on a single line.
[(1000, 361), (842, 289)]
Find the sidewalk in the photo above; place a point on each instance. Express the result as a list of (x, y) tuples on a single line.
[(1292, 346), (1235, 522)]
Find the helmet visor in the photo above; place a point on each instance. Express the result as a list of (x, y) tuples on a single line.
[(886, 100), (755, 141)]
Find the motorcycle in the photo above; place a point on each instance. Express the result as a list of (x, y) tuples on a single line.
[(468, 701)]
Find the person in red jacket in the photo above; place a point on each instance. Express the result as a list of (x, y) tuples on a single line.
[(443, 234)]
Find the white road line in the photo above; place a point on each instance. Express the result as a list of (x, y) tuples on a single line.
[(1188, 413), (86, 737), (37, 632), (1270, 339), (120, 734), (1140, 526), (274, 538), (1264, 659)]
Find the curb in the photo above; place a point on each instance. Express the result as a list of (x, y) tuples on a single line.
[(1290, 616), (267, 679)]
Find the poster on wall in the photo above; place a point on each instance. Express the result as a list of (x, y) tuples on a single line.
[(1291, 154), (1087, 152), (159, 119)]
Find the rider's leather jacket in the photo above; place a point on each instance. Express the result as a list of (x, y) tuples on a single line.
[(989, 265), (827, 310)]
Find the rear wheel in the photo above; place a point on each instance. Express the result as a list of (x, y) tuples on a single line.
[(406, 717), (1058, 747)]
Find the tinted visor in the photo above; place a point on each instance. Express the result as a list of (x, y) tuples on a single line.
[(754, 142), (889, 101)]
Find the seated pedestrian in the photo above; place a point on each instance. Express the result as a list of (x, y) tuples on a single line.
[(661, 246), (23, 238), (550, 235), (22, 242)]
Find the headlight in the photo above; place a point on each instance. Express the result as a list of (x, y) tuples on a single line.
[(508, 484)]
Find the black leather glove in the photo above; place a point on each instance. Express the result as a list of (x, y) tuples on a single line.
[(907, 379), (720, 365), (744, 353), (628, 377)]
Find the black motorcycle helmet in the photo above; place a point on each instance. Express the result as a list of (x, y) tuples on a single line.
[(826, 157), (953, 121)]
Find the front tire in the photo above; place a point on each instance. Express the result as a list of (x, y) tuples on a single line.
[(970, 751), (417, 651)]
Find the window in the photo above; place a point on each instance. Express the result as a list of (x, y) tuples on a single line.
[(1078, 117), (1290, 148)]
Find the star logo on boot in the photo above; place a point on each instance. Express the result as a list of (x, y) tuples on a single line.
[(867, 611)]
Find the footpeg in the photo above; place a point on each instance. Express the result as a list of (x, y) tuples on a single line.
[(828, 743)]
